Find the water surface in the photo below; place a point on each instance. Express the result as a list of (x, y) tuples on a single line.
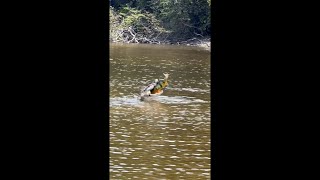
[(164, 137)]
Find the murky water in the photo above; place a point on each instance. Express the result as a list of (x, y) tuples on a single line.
[(163, 137)]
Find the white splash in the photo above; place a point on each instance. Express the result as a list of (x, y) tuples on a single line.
[(189, 89), (135, 101)]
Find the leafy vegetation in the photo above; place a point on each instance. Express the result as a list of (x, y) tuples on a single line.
[(155, 21)]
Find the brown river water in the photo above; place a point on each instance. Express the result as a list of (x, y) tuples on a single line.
[(162, 137)]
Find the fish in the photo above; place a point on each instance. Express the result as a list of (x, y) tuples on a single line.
[(155, 88), (161, 85)]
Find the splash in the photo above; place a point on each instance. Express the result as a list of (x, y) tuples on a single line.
[(125, 101), (189, 89), (135, 101)]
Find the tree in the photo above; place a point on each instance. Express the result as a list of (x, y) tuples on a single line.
[(184, 18)]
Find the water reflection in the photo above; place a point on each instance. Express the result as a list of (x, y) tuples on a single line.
[(164, 137)]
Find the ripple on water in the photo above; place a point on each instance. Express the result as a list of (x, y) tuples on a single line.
[(190, 89), (125, 100), (134, 100)]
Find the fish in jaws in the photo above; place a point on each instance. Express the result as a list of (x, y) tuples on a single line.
[(161, 85), (156, 87)]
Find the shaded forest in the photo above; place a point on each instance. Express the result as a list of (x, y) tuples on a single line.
[(159, 21)]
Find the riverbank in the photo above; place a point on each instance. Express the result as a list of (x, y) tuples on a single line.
[(204, 43), (131, 24)]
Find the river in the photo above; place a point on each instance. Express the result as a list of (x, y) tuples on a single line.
[(164, 137)]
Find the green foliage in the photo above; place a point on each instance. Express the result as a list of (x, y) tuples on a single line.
[(184, 18), (131, 16), (131, 23)]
